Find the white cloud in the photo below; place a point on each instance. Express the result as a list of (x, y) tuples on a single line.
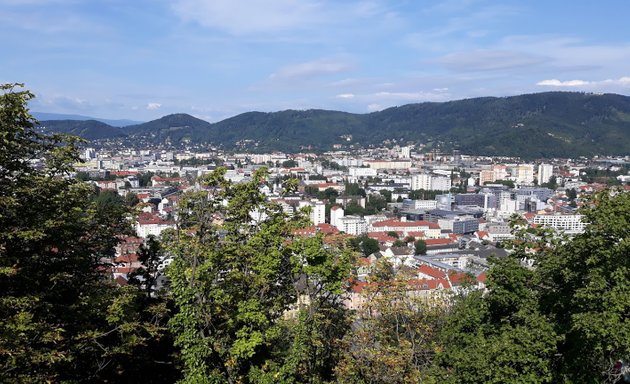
[(408, 96), (312, 68), (248, 16), (489, 60), (621, 82), (153, 106), (374, 107), (558, 83), (345, 96)]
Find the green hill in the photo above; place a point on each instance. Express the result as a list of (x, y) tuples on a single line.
[(551, 124), (87, 129)]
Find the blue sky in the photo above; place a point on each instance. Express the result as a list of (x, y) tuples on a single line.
[(143, 59)]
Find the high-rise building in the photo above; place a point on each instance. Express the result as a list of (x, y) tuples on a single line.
[(487, 176), (545, 171), (421, 181), (336, 213), (441, 183), (524, 173)]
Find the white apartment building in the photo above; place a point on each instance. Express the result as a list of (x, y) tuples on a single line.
[(419, 204), (336, 213), (421, 181), (487, 176), (318, 210), (500, 171), (440, 183), (545, 171), (388, 164), (524, 173), (152, 225), (430, 182), (362, 172), (569, 224), (352, 225)]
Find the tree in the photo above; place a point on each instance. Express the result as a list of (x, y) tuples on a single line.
[(586, 291), (330, 194), (552, 183), (354, 189), (289, 163), (144, 179), (237, 270), (399, 243), (501, 337), (63, 320), (387, 195), (365, 245), (420, 247), (131, 199), (395, 336)]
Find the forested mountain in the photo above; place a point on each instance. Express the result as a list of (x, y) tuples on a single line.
[(552, 124), (87, 129), (42, 116)]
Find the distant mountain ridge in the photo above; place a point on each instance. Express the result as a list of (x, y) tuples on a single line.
[(551, 124), (87, 129), (43, 116)]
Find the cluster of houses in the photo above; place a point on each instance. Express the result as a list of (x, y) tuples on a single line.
[(458, 206)]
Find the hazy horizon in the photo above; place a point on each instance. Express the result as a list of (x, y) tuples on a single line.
[(216, 59)]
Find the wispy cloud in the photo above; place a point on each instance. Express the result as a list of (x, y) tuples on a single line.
[(558, 83), (620, 82), (249, 16), (312, 68), (489, 60), (153, 106)]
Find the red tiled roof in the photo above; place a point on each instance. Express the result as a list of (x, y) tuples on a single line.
[(482, 234), (146, 218), (416, 234), (324, 228), (432, 272), (430, 242), (125, 173), (382, 237)]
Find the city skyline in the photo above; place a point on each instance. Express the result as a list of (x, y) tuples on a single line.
[(216, 59)]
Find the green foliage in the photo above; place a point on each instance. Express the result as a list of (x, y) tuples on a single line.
[(507, 183), (551, 184), (421, 194), (501, 337), (63, 320), (587, 292), (144, 179), (420, 247), (395, 338), (364, 244), (594, 175), (354, 189), (289, 163), (233, 281)]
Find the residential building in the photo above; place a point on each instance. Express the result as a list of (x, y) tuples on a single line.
[(545, 171), (569, 224)]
